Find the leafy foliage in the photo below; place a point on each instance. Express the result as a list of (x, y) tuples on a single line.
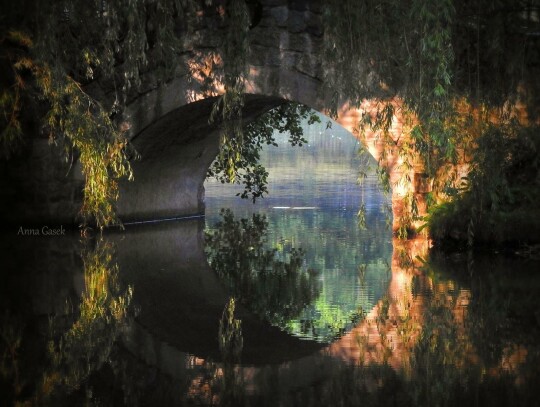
[(55, 51), (247, 170), (454, 67), (452, 64), (52, 50), (235, 50), (428, 52), (498, 200)]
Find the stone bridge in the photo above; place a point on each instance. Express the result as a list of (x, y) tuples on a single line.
[(168, 123)]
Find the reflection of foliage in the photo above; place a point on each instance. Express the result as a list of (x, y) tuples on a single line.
[(455, 356), (10, 370), (238, 161), (102, 311), (440, 353), (325, 321), (503, 305), (230, 346), (276, 290), (230, 334), (73, 355)]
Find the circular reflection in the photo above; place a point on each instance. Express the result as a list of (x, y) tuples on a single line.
[(298, 257)]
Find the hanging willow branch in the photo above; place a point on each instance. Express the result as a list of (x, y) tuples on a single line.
[(228, 108), (54, 49), (454, 65)]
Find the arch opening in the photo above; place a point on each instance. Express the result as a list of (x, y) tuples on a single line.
[(307, 225), (176, 151)]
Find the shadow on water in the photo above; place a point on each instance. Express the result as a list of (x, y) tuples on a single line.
[(181, 298), (68, 328)]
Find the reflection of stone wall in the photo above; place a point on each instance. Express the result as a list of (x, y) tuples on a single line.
[(391, 328), (181, 299), (42, 276)]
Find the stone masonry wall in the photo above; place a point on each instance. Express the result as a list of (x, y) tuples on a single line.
[(284, 64)]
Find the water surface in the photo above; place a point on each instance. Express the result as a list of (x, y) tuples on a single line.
[(326, 313), (313, 200)]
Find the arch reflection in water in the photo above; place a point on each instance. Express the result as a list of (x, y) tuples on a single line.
[(276, 290), (311, 209)]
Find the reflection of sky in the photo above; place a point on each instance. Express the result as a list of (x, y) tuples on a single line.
[(312, 203)]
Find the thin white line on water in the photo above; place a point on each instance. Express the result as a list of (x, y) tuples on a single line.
[(295, 207), (164, 219)]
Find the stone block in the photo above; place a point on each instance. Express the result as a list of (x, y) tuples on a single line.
[(268, 38), (300, 5), (274, 3), (296, 22), (310, 66), (280, 15), (261, 56), (288, 59), (314, 24), (299, 42)]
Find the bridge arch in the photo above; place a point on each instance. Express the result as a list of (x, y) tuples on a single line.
[(177, 145), (169, 122)]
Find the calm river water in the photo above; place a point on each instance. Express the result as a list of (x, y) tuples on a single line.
[(286, 302)]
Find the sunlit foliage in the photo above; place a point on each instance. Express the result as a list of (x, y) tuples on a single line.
[(52, 50), (455, 67), (452, 65), (499, 198)]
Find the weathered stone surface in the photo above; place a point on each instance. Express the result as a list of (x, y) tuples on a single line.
[(300, 5), (296, 22), (273, 3), (176, 151), (168, 122), (308, 66), (289, 59), (261, 57), (314, 24), (269, 37), (301, 43), (280, 15)]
